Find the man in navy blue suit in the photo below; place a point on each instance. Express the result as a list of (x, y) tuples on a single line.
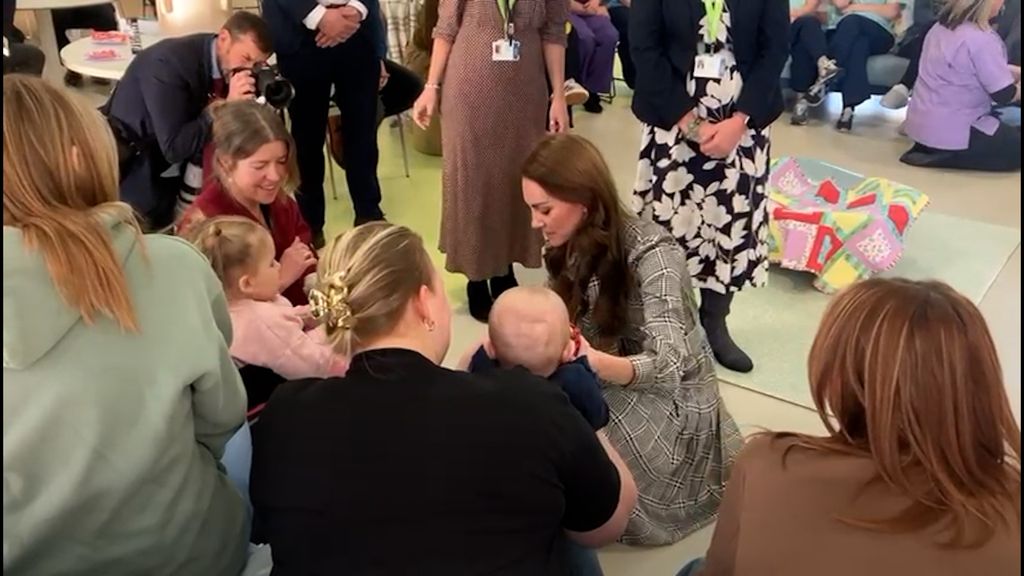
[(320, 45), (160, 108)]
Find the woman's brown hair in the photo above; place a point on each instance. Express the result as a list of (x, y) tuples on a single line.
[(61, 191), (240, 129), (572, 169), (910, 374)]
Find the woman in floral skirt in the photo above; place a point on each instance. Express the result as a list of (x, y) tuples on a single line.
[(707, 90)]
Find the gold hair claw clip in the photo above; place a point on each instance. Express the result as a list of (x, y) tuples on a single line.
[(329, 304)]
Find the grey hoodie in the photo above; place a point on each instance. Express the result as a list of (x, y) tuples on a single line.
[(112, 439)]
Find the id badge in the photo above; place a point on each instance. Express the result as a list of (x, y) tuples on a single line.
[(505, 50), (709, 66)]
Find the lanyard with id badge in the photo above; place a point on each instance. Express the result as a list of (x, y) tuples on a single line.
[(506, 49), (711, 66)]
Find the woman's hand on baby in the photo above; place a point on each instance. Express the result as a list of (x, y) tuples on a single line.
[(295, 261), (595, 357), (584, 348)]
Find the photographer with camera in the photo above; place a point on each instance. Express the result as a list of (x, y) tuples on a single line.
[(158, 111), (339, 44)]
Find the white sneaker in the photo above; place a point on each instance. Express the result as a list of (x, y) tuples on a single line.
[(896, 98), (574, 93), (827, 70), (799, 116)]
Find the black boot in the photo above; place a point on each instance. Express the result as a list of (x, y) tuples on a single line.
[(480, 300), (714, 308), (501, 283), (360, 220)]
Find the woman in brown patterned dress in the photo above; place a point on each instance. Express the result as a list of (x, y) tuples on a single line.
[(493, 112)]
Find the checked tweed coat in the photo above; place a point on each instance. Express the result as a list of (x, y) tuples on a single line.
[(669, 424)]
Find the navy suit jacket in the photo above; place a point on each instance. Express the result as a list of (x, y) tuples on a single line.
[(284, 17), (162, 98), (663, 42)]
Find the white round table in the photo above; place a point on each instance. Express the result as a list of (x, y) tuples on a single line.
[(74, 57), (46, 36)]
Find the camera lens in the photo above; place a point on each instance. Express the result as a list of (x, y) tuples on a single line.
[(277, 91)]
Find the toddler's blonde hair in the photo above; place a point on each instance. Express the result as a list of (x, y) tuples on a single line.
[(230, 243)]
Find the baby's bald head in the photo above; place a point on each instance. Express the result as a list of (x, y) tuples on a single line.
[(529, 327)]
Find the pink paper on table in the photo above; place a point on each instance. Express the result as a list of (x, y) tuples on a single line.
[(109, 37), (104, 55)]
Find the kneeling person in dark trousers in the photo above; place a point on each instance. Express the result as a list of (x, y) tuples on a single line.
[(159, 109), (339, 45)]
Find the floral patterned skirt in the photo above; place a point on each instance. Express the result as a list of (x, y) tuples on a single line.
[(716, 208)]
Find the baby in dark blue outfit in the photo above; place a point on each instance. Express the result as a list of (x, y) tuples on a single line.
[(529, 327)]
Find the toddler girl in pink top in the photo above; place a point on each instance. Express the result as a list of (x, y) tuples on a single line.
[(268, 331)]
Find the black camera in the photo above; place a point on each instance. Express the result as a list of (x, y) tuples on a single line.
[(271, 86)]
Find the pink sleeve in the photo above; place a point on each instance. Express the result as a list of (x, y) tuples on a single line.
[(292, 352), (303, 355)]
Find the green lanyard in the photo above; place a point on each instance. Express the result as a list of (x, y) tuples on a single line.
[(713, 11), (505, 8)]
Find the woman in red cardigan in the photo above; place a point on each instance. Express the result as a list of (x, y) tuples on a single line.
[(254, 176)]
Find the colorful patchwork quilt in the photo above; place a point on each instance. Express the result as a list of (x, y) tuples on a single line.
[(838, 225)]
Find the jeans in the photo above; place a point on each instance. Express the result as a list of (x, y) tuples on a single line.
[(691, 568), (807, 44), (855, 39), (580, 560), (237, 460)]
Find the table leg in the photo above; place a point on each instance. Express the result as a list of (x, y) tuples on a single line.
[(46, 38)]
